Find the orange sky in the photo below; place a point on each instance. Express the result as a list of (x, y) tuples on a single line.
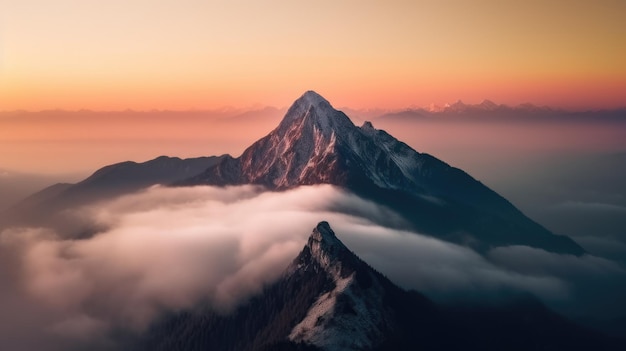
[(185, 54)]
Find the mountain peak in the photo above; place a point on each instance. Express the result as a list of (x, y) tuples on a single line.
[(310, 97), (311, 109), (325, 247), (323, 230), (323, 239), (352, 286), (488, 105), (457, 106)]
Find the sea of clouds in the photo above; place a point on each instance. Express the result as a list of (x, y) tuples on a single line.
[(167, 249)]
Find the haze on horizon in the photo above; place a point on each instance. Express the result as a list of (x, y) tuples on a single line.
[(181, 55)]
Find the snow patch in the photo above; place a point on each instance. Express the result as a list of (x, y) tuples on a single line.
[(348, 317), (345, 318), (314, 328)]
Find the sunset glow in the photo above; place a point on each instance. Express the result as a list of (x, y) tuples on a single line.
[(179, 55), (312, 175)]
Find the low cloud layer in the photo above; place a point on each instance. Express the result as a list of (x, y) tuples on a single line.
[(597, 285), (440, 269), (166, 249)]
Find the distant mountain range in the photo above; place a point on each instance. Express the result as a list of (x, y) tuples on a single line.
[(485, 106), (489, 110)]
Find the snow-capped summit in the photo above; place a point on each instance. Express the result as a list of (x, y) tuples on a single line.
[(317, 144), (457, 106), (315, 111), (434, 108), (312, 97), (303, 149)]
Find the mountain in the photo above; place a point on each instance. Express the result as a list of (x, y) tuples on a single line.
[(354, 312), (45, 206), (329, 299), (14, 186), (457, 107), (490, 111), (316, 144), (326, 299), (488, 105), (130, 176)]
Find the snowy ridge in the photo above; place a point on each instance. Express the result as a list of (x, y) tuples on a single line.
[(402, 156), (313, 144), (348, 317)]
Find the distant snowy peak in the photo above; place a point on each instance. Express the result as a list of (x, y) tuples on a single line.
[(459, 107)]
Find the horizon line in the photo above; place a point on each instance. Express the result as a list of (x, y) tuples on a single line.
[(259, 107)]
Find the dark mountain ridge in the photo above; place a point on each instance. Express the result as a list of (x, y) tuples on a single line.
[(45, 206)]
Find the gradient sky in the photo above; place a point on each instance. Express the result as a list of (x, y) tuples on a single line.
[(193, 54)]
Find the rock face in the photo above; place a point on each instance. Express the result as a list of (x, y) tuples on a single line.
[(329, 299), (316, 144)]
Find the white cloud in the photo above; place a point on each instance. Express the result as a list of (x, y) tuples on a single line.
[(170, 248), (439, 268)]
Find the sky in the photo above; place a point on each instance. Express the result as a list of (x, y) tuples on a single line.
[(192, 54), (191, 78)]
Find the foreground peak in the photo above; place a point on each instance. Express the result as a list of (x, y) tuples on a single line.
[(324, 244), (323, 231), (323, 234)]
